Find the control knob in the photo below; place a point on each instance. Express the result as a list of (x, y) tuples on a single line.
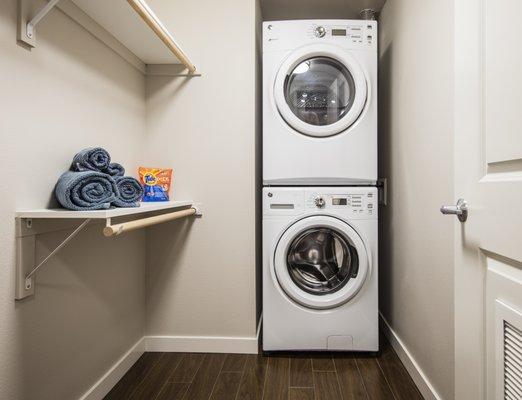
[(319, 31), (319, 202)]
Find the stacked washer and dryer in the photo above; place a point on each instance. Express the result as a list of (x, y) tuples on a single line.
[(320, 199)]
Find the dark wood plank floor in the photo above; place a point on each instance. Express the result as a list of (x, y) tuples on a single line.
[(302, 376)]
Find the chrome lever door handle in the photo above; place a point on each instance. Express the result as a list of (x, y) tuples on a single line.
[(460, 210)]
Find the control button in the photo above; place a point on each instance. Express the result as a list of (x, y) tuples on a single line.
[(320, 31), (319, 202)]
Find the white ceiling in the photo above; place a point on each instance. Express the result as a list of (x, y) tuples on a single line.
[(274, 10)]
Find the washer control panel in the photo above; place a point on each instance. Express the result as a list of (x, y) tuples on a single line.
[(353, 202), (364, 203)]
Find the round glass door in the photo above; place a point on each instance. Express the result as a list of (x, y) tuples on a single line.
[(320, 90), (321, 261)]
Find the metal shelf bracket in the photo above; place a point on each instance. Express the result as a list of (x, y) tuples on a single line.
[(27, 24), (25, 258)]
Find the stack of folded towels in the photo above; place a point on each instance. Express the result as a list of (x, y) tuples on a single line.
[(94, 183)]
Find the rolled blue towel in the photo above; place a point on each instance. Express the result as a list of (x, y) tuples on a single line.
[(85, 190), (91, 159), (115, 169), (129, 192)]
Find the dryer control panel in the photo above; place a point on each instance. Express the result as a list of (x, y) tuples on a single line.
[(349, 34), (357, 33), (353, 203)]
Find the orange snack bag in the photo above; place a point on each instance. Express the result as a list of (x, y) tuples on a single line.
[(156, 183)]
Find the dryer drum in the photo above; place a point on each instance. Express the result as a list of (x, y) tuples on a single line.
[(320, 91), (321, 261)]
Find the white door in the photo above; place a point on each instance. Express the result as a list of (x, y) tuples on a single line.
[(488, 268)]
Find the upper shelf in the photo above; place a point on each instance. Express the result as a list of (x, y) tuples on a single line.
[(103, 214), (129, 27), (123, 19)]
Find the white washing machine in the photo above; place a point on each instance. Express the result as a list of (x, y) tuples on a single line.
[(320, 269), (320, 102)]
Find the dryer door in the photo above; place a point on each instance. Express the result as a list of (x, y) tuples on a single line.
[(321, 262), (320, 90)]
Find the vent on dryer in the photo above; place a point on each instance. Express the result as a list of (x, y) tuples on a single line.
[(512, 362)]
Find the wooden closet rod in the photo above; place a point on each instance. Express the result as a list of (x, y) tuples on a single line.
[(155, 24), (113, 230)]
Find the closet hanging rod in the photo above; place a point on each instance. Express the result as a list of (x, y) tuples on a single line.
[(117, 229), (159, 29)]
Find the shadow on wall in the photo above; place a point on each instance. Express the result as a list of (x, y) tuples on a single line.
[(259, 162), (386, 236), (61, 36), (166, 253), (165, 248), (168, 87)]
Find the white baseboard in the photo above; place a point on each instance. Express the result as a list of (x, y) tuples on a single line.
[(419, 377), (104, 385), (205, 344), (201, 344)]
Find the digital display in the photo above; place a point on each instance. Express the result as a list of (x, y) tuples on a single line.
[(339, 201), (338, 32)]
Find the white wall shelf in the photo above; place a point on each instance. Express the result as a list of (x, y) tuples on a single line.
[(102, 214), (129, 27), (31, 223)]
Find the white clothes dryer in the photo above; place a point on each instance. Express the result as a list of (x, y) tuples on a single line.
[(320, 102)]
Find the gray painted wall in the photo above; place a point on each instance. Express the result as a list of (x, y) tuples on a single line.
[(416, 147), (201, 276)]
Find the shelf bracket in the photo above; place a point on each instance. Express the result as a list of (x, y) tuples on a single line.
[(25, 262), (26, 26)]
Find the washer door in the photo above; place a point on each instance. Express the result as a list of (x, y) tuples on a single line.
[(321, 262), (320, 90)]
